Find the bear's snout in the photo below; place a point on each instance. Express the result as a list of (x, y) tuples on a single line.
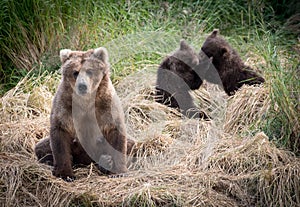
[(82, 84), (82, 88)]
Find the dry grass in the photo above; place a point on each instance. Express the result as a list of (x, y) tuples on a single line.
[(247, 109), (177, 161)]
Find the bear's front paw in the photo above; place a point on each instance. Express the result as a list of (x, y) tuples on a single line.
[(196, 113), (66, 176), (69, 179), (106, 162)]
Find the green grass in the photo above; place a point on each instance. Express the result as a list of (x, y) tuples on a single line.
[(282, 123), (32, 32)]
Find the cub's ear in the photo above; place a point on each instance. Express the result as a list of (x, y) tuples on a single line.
[(214, 33), (64, 54), (101, 54), (184, 45), (224, 50), (166, 64)]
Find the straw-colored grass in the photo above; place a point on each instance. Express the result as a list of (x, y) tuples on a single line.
[(247, 109), (176, 162)]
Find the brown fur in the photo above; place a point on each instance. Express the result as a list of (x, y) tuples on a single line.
[(176, 76), (230, 67), (85, 96)]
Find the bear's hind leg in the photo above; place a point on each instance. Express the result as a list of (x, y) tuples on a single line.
[(43, 151)]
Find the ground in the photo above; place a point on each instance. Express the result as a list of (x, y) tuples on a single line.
[(177, 161)]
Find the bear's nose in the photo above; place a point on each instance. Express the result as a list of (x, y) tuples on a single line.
[(82, 88)]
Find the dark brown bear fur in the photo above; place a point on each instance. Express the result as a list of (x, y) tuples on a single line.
[(176, 77), (230, 67), (80, 157), (84, 103)]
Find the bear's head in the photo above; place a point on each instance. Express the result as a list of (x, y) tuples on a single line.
[(84, 70), (217, 48), (183, 62), (186, 54)]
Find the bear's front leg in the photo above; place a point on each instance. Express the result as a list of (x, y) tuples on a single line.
[(187, 106), (61, 142), (116, 147)]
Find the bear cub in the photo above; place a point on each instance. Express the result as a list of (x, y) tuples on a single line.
[(176, 76), (231, 69), (87, 120)]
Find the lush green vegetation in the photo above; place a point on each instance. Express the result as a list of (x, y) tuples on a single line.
[(33, 31)]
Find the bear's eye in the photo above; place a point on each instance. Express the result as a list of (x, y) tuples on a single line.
[(89, 72), (75, 74)]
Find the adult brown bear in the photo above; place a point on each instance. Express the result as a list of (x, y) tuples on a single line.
[(87, 120)]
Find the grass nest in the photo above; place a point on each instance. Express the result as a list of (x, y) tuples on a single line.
[(176, 161)]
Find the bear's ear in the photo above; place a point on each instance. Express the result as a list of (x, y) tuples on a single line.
[(166, 63), (225, 52), (64, 54), (214, 33), (184, 45), (101, 54)]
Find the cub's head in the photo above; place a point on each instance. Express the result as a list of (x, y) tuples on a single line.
[(183, 62), (84, 70), (216, 47), (186, 54)]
